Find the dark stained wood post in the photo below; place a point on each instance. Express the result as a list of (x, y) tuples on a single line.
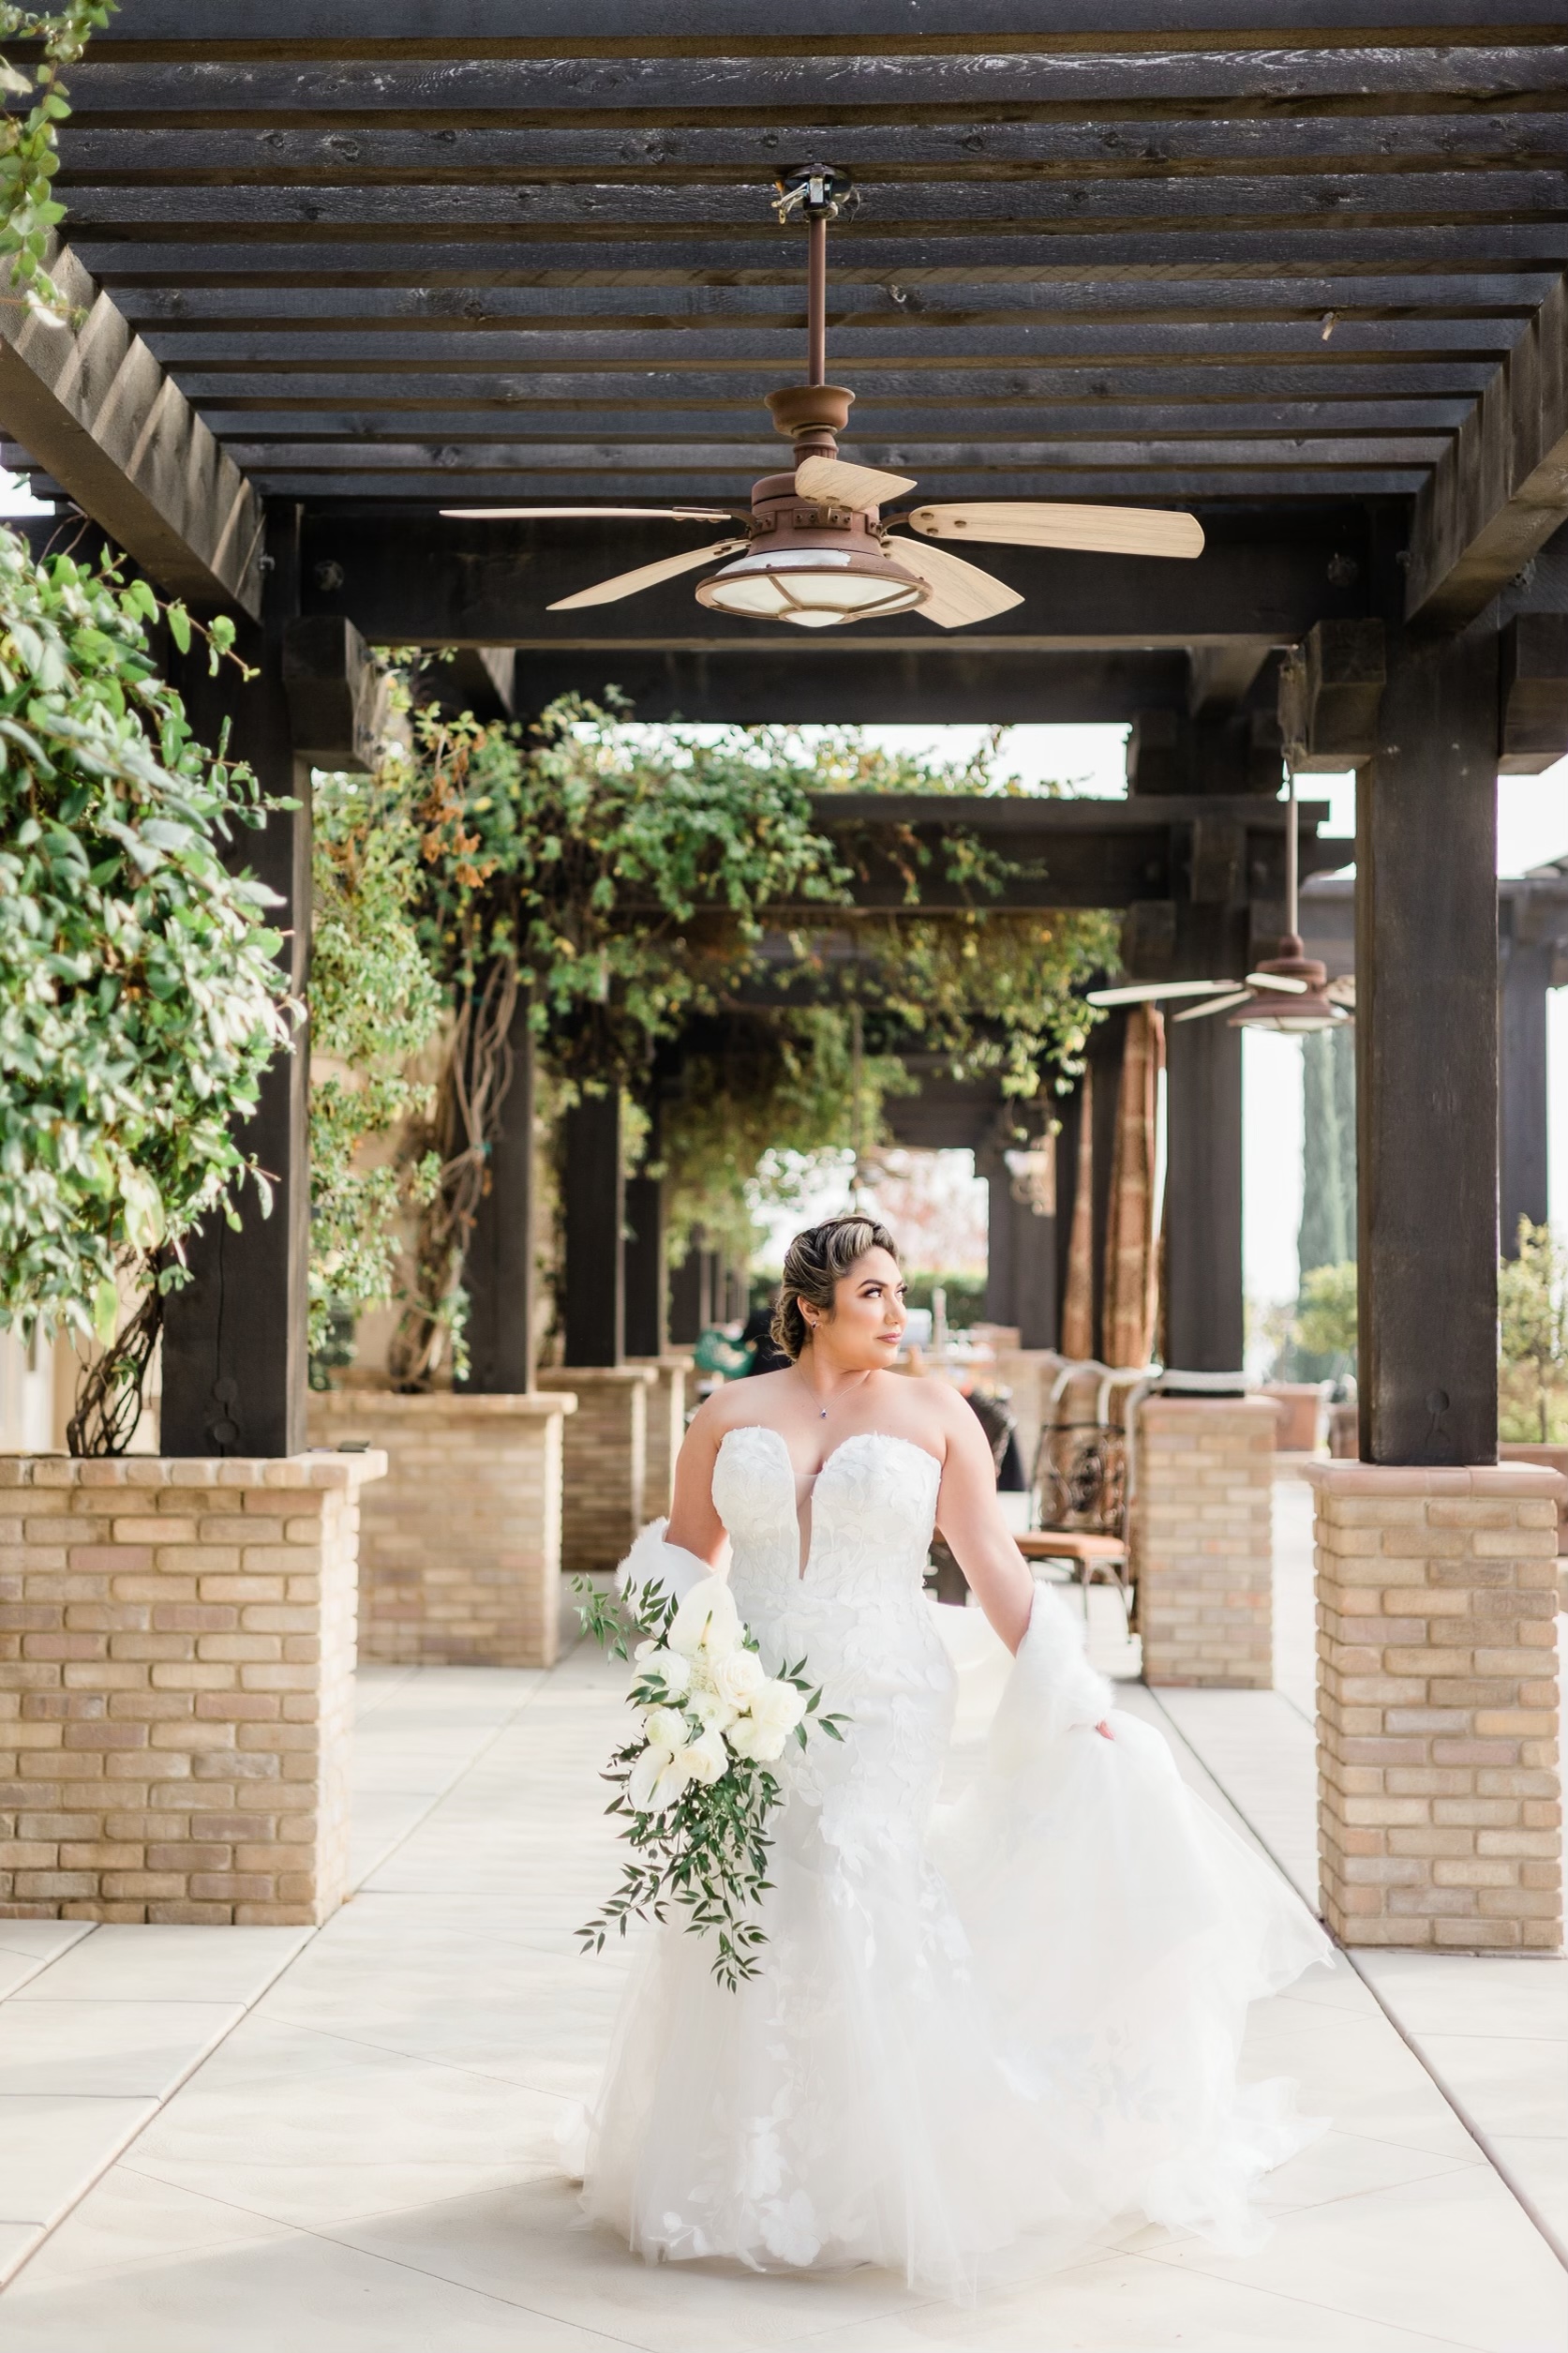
[(647, 1276), (1034, 1260), (595, 1220), (685, 1296), (1427, 1058), (1206, 1325), (235, 1367), (1522, 1123), (999, 1284), (498, 1270)]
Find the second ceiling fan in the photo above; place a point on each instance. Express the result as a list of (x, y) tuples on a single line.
[(814, 547)]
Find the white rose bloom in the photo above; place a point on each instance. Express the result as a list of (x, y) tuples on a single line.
[(707, 1759), (666, 1667), (711, 1710), (764, 1746), (778, 1707), (666, 1729), (708, 1618), (738, 1677)]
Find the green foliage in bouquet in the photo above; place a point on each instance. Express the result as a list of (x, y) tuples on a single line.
[(693, 1784)]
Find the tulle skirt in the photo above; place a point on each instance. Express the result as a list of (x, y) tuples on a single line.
[(984, 2042)]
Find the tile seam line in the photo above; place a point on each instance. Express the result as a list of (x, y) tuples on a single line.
[(160, 2103), (1504, 2172)]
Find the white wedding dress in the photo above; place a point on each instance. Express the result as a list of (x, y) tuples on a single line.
[(1012, 2022)]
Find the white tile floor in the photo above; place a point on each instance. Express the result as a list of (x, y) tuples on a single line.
[(345, 2141)]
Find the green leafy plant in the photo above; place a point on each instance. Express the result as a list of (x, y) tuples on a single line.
[(1325, 1323), (1532, 1324), (29, 152), (140, 998), (375, 1005)]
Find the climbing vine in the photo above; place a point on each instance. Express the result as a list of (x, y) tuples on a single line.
[(29, 148), (139, 1000)]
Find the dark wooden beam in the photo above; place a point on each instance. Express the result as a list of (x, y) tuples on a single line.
[(419, 579), (93, 405), (338, 696), (747, 154), (1427, 1058), (1330, 695), (498, 1267), (1205, 1321), (647, 1275), (1523, 1091), (1500, 491), (804, 86), (1533, 697), (594, 1199), (934, 685), (235, 1340)]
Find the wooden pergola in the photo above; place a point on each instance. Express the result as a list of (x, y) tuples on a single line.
[(1297, 267)]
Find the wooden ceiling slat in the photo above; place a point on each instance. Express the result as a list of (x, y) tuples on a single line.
[(810, 88), (1006, 424), (749, 156)]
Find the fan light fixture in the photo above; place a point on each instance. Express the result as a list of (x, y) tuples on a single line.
[(816, 588), (1303, 1007)]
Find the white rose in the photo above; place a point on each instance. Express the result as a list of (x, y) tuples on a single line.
[(778, 1707), (666, 1667), (738, 1677), (666, 1729), (656, 1781), (747, 1738), (707, 1759), (711, 1710), (708, 1618)]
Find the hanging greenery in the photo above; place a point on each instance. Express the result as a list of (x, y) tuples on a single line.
[(29, 143), (139, 1000), (1532, 1319)]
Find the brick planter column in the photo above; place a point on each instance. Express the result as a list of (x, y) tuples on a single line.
[(176, 1685), (1440, 1821), (460, 1548), (1202, 1535), (667, 1427), (605, 1497)]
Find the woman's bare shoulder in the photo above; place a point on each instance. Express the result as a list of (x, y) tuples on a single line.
[(757, 1397), (926, 1407)]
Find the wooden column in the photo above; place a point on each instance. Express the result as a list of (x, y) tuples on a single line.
[(1426, 1050), (645, 1278), (1034, 1258), (1204, 1320), (685, 1297), (235, 1350), (595, 1217), (1522, 1172), (999, 1270), (499, 1272)]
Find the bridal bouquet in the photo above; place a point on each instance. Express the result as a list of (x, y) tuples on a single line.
[(693, 1782)]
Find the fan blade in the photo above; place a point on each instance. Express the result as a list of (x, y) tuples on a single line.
[(1215, 1005), (1276, 980), (646, 576), (960, 592), (1149, 992), (1111, 530), (851, 485), (643, 514)]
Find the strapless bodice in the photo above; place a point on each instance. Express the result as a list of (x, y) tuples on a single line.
[(872, 1510)]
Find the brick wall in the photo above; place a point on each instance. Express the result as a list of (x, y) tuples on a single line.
[(1440, 1815), (606, 1493), (176, 1686), (1202, 1537), (460, 1544), (667, 1428)]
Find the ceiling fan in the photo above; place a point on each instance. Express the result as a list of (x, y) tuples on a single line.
[(813, 547), (1288, 990)]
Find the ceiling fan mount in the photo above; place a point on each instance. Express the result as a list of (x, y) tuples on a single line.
[(814, 548)]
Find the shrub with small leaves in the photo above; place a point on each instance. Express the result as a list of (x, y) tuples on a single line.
[(140, 998), (29, 157)]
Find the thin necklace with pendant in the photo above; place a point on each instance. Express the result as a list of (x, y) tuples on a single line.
[(822, 1410)]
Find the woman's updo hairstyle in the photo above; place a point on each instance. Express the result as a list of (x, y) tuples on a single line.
[(814, 1264)]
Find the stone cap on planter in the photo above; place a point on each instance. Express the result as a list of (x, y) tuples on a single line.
[(586, 1376), (1517, 1481), (315, 1469), (349, 1405)]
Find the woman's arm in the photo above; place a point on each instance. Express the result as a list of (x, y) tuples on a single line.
[(970, 1517), (693, 1522)]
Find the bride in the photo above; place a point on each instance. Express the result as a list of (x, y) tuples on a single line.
[(1013, 2021)]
